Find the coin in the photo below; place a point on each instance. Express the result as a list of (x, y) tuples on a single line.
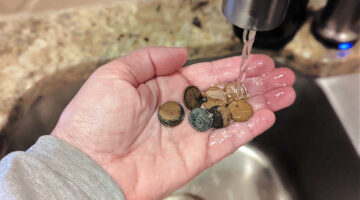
[(241, 110), (215, 97), (200, 119), (221, 116), (171, 113), (192, 97), (231, 91)]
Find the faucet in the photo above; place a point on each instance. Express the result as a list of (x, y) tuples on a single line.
[(258, 15), (337, 25)]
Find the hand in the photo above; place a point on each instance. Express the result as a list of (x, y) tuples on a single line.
[(114, 117)]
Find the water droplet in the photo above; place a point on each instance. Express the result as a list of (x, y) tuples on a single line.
[(263, 119), (212, 143), (240, 133), (279, 94), (279, 76), (251, 125)]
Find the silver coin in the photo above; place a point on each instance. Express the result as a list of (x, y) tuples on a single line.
[(200, 119)]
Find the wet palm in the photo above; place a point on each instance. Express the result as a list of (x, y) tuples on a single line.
[(113, 118)]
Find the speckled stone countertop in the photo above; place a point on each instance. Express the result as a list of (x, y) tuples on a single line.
[(308, 55)]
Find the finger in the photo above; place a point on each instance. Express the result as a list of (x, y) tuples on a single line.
[(205, 74), (280, 77), (257, 64), (144, 64), (223, 142), (274, 100)]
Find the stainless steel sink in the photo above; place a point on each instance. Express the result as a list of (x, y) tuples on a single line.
[(306, 155), (247, 174)]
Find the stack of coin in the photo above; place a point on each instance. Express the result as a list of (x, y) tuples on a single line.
[(220, 106)]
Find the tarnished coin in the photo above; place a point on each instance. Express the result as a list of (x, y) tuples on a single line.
[(241, 110), (233, 92), (200, 119), (192, 97), (171, 113), (221, 116), (215, 97)]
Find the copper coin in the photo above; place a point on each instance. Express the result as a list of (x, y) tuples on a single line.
[(221, 116), (241, 110), (215, 97), (171, 113), (234, 92), (231, 91), (192, 97)]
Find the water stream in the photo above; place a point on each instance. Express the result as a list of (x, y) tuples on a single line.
[(248, 40)]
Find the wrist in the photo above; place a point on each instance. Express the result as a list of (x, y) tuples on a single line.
[(124, 176)]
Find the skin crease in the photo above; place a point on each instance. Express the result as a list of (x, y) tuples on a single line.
[(113, 118)]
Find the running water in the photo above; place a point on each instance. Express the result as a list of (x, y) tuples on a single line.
[(248, 40)]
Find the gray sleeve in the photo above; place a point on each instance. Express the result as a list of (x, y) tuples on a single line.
[(52, 169)]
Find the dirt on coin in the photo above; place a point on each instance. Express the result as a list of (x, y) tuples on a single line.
[(215, 97), (241, 110), (171, 113)]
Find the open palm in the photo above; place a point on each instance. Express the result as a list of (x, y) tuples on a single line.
[(113, 118)]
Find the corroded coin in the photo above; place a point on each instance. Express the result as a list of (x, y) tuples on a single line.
[(241, 110), (221, 116), (171, 113), (192, 97), (215, 97), (233, 92), (200, 119)]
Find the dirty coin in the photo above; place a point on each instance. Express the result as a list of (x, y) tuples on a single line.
[(192, 97), (171, 113), (200, 119), (241, 110), (215, 97), (231, 91), (221, 116)]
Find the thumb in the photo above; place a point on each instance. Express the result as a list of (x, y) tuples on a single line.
[(142, 65)]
